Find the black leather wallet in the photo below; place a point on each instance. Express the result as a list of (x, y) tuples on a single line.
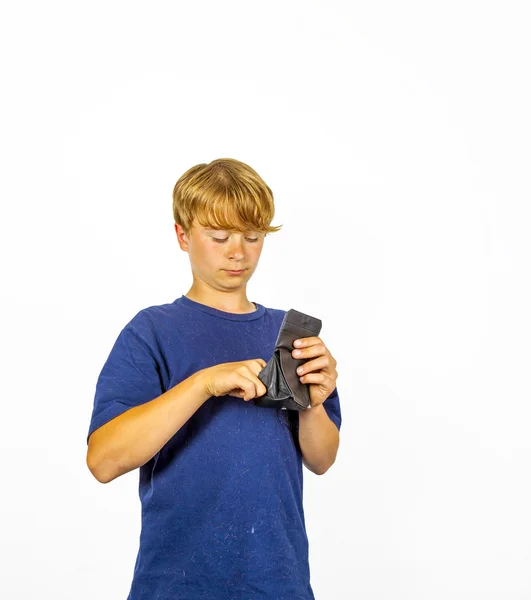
[(284, 388)]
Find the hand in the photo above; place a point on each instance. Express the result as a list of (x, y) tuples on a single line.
[(235, 378), (319, 373)]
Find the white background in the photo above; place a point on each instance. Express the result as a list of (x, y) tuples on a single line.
[(396, 139)]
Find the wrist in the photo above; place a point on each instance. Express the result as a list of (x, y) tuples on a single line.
[(199, 381), (312, 412)]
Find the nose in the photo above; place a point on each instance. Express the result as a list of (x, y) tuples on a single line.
[(236, 251)]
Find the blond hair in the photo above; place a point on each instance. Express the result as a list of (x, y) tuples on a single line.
[(224, 194)]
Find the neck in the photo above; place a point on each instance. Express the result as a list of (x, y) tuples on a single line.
[(226, 301)]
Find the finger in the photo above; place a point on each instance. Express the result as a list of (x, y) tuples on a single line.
[(308, 341), (259, 388), (315, 378), (247, 386), (255, 366), (317, 364), (254, 387), (309, 350)]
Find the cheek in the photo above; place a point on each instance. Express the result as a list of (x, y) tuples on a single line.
[(257, 250), (210, 248), (216, 251), (208, 255), (215, 255)]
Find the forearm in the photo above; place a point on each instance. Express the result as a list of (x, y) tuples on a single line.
[(318, 439), (134, 437)]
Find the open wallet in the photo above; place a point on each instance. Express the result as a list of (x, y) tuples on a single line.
[(284, 388)]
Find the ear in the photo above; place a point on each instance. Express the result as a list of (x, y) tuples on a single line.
[(181, 236)]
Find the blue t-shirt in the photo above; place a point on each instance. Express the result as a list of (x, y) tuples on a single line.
[(222, 510)]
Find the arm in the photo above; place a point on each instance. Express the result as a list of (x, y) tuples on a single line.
[(131, 439), (318, 434), (318, 439)]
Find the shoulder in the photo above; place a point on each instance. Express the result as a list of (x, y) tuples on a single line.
[(148, 321), (275, 316), (277, 312)]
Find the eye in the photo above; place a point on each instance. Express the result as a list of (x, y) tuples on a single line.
[(221, 240)]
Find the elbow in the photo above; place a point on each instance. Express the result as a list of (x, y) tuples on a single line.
[(97, 466), (323, 470), (323, 467), (316, 469), (98, 473)]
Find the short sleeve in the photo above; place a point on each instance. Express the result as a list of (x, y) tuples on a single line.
[(333, 408), (130, 377)]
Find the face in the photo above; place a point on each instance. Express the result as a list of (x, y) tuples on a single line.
[(215, 252)]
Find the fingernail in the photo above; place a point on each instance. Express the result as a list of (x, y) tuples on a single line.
[(296, 352)]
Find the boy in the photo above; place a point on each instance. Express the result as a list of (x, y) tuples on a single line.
[(220, 478)]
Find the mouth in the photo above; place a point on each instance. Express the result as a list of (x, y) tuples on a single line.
[(235, 272)]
